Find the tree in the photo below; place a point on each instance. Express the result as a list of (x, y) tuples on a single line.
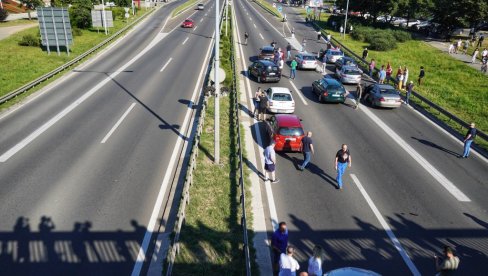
[(3, 14), (31, 5), (412, 9), (80, 13)]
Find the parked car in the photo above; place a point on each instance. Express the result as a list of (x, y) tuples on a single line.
[(306, 61), (280, 100), (200, 7), (264, 71), (188, 23), (351, 271), (411, 23), (349, 74), (333, 55), (329, 90), (287, 132), (382, 95), (345, 61), (267, 52), (398, 20)]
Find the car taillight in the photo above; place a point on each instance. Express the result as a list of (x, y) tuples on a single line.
[(382, 99), (326, 93)]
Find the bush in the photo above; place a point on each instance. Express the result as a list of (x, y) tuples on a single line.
[(118, 12), (29, 40), (77, 32), (382, 43), (360, 33), (3, 14), (402, 36)]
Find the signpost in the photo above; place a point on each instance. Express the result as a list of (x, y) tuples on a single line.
[(55, 28)]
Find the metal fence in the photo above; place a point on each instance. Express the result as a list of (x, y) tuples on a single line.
[(67, 65), (430, 105)]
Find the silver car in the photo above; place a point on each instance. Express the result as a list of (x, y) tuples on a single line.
[(382, 95), (306, 61), (349, 74), (331, 56)]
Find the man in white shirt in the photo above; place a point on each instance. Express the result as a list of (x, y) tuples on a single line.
[(288, 264), (484, 53)]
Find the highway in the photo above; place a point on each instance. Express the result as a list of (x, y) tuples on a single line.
[(406, 195), (87, 165)]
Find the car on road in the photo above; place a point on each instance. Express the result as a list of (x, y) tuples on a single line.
[(349, 74), (382, 95), (306, 61), (332, 55), (264, 71), (329, 90), (345, 61), (287, 132), (188, 23), (200, 7), (351, 271), (267, 52), (280, 100)]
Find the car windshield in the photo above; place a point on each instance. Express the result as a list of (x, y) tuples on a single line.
[(351, 72), (267, 51), (388, 91), (272, 68), (349, 62), (281, 97), (188, 20), (308, 58), (335, 88), (291, 131), (336, 53)]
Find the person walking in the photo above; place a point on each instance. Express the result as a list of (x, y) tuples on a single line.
[(246, 36), (257, 98), (307, 150), (288, 51), (447, 265), (484, 54), (329, 37), (293, 69), (359, 94), (405, 76), (315, 262), (304, 44), (468, 140), (341, 29), (382, 75), (480, 41), (465, 47), (451, 48), (270, 162), (365, 53), (372, 65), (281, 63), (421, 75), (279, 243), (342, 161), (288, 264), (263, 106), (475, 55), (410, 86), (389, 71), (319, 35), (324, 64)]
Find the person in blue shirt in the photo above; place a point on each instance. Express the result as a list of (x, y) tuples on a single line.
[(279, 242), (468, 139)]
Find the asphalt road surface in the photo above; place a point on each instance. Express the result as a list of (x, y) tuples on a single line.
[(85, 167), (406, 195)]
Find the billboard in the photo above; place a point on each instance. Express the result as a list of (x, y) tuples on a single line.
[(55, 28), (97, 18)]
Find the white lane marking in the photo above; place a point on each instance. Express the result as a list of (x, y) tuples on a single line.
[(205, 14), (254, 25), (256, 12), (261, 36), (386, 227), (299, 93), (446, 183), (117, 124), (166, 64), (250, 18), (194, 29), (201, 20), (185, 41), (141, 256)]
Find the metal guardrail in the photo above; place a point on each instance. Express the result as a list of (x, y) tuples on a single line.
[(63, 67), (365, 66)]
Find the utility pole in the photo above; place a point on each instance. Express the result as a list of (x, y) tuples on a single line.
[(104, 19), (217, 87), (226, 15), (345, 21)]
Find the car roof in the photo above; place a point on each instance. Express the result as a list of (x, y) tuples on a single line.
[(331, 81), (266, 62), (288, 120), (267, 48), (350, 67), (348, 58), (280, 90), (385, 86), (306, 54)]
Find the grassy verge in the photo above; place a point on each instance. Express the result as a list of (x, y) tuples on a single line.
[(211, 238), (182, 7), (19, 22), (268, 7), (19, 64), (457, 87)]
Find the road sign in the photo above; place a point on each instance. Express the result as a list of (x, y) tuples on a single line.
[(97, 18), (55, 28)]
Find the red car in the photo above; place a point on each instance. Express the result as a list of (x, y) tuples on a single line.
[(188, 23), (287, 132)]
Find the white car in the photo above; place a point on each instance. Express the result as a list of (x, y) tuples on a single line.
[(351, 271), (200, 7), (280, 100), (332, 55), (306, 61)]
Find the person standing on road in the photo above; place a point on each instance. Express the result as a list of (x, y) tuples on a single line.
[(405, 76), (421, 75), (307, 149), (451, 48), (382, 75), (475, 55), (288, 51), (468, 140), (304, 44), (263, 106), (389, 71), (410, 86), (288, 265), (293, 69), (329, 37), (270, 162), (315, 262), (279, 242), (342, 161), (359, 94), (246, 36), (448, 265), (365, 53), (257, 98), (372, 65), (480, 41)]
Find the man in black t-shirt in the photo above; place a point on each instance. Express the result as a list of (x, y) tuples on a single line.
[(468, 139), (342, 161), (263, 105), (307, 149)]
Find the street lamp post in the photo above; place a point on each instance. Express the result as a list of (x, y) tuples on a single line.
[(217, 87), (345, 21)]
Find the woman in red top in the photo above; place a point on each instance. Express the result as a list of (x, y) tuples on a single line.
[(389, 70)]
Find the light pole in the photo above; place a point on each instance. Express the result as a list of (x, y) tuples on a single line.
[(217, 87), (226, 15), (345, 21)]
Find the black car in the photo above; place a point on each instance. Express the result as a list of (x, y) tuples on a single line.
[(329, 90), (345, 61), (264, 71)]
